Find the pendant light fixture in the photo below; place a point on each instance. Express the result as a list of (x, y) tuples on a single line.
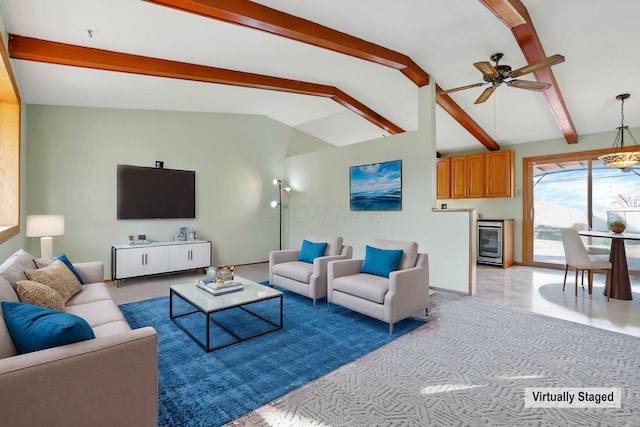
[(618, 158)]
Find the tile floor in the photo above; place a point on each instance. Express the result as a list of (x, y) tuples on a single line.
[(529, 288)]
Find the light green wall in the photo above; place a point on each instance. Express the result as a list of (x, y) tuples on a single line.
[(72, 154), (319, 202), (512, 207)]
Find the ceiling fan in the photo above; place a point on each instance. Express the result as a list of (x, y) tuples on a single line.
[(498, 74)]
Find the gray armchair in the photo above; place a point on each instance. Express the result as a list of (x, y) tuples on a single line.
[(308, 279), (404, 293)]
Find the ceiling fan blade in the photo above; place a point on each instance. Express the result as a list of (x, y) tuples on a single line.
[(529, 85), (486, 68), (485, 94), (461, 88), (552, 60)]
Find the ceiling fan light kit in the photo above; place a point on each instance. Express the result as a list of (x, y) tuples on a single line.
[(618, 158), (498, 74)]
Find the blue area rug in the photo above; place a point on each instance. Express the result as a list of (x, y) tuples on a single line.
[(209, 389)]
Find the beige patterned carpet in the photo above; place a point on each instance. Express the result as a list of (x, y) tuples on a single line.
[(468, 367)]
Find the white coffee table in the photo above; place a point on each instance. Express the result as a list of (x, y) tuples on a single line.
[(208, 304)]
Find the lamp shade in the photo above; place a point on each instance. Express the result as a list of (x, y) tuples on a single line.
[(45, 225)]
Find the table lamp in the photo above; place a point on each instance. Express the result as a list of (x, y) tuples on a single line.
[(45, 226)]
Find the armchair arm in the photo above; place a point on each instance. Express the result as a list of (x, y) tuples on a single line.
[(91, 272), (278, 257), (340, 268), (408, 291), (105, 381)]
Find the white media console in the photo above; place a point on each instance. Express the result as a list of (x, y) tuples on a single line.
[(158, 257)]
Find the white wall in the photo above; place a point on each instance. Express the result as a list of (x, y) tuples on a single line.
[(72, 154)]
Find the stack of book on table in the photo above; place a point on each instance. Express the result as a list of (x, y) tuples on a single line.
[(214, 288)]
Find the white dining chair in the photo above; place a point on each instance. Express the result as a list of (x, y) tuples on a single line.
[(577, 257), (592, 249)]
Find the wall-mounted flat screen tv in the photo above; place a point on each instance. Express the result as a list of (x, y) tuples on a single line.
[(151, 193)]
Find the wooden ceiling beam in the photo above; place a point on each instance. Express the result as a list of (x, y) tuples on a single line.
[(32, 49), (260, 17), (459, 115), (515, 16)]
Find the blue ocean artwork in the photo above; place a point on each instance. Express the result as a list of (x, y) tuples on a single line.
[(376, 187)]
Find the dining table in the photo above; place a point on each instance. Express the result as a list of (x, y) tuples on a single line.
[(620, 282)]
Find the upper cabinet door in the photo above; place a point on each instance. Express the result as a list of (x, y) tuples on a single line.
[(459, 177), (443, 170), (475, 175), (499, 174)]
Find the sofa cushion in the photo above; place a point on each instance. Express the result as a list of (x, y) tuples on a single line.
[(410, 250), (311, 250), (334, 243), (381, 262), (296, 270), (35, 293), (90, 293), (7, 349), (97, 313), (34, 328), (14, 267), (44, 262), (367, 286), (58, 276)]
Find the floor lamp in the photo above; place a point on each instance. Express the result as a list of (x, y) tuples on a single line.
[(278, 204), (45, 226)]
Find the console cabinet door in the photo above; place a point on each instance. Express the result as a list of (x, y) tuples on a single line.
[(200, 255), (189, 255), (180, 257), (156, 260), (136, 262), (129, 263)]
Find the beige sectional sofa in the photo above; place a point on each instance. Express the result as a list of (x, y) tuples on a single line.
[(110, 380)]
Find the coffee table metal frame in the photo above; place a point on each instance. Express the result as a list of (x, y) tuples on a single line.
[(208, 304)]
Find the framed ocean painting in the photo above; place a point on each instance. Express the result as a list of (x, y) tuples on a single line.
[(376, 187)]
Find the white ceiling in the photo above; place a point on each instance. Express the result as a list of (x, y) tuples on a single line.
[(598, 38)]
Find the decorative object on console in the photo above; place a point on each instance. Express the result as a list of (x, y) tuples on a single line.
[(45, 226), (376, 187), (138, 239), (278, 204), (619, 158)]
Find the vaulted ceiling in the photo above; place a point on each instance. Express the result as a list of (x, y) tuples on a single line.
[(344, 72)]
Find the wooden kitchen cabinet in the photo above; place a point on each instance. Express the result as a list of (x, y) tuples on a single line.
[(443, 170), (476, 175), (467, 176), (499, 176)]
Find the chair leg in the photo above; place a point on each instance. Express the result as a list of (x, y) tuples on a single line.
[(582, 279), (590, 282), (608, 285), (314, 303), (390, 328), (576, 282), (566, 269)]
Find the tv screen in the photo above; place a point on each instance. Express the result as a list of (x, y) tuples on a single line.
[(146, 193)]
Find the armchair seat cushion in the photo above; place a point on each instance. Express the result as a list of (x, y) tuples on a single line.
[(297, 270), (363, 285)]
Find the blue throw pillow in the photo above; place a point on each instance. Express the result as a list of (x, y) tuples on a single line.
[(381, 262), (311, 251), (34, 328), (63, 258)]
